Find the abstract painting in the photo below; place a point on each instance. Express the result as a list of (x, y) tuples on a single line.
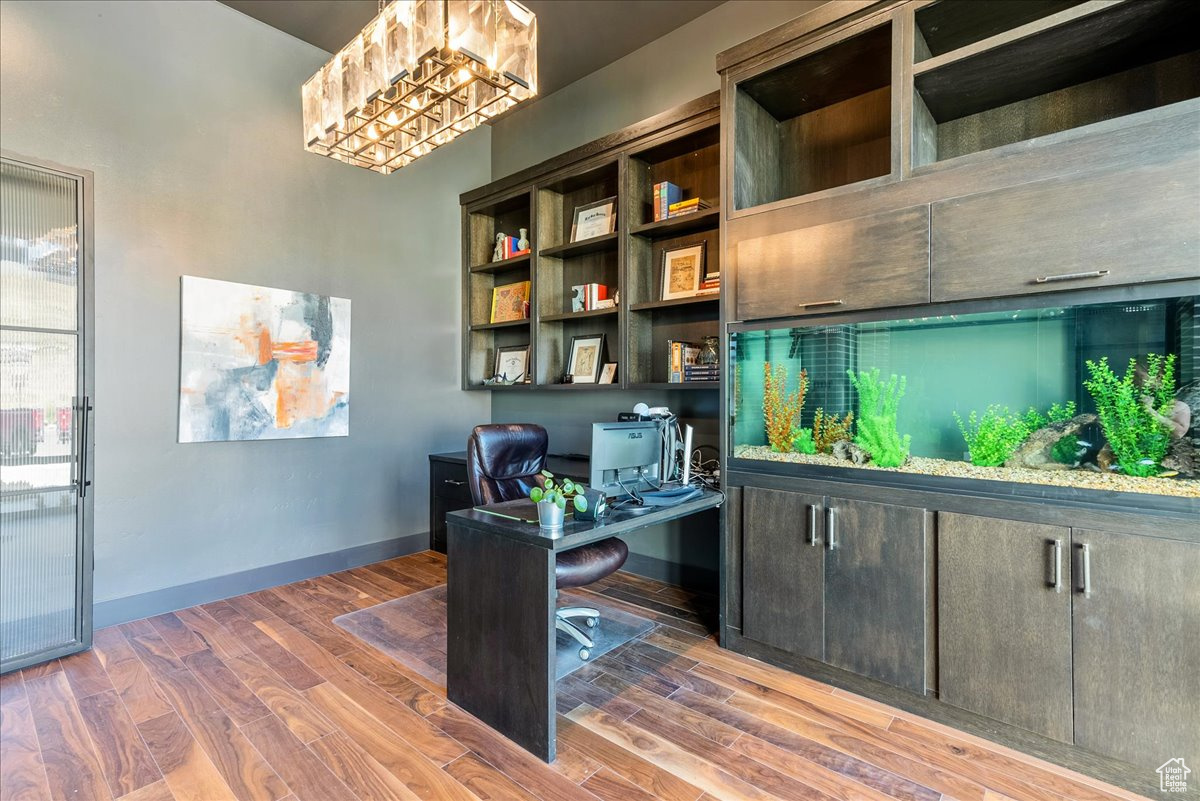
[(262, 363)]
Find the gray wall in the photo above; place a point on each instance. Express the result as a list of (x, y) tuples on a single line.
[(189, 114), (669, 71)]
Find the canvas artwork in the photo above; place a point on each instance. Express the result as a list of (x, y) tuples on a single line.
[(262, 363)]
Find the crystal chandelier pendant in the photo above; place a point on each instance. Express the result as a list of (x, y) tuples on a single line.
[(421, 74)]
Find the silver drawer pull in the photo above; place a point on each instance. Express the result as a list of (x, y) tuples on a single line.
[(1085, 570), (1054, 571), (820, 303), (831, 542), (811, 539), (453, 482), (1049, 279)]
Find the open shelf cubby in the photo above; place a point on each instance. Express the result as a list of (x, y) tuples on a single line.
[(506, 215), (821, 121), (948, 25), (554, 343), (1085, 64), (650, 330), (692, 162)]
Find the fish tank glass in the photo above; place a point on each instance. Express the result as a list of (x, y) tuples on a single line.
[(1104, 396)]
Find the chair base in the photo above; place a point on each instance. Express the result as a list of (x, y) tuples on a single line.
[(591, 618)]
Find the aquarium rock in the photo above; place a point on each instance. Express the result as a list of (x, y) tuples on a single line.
[(846, 450), (1037, 451)]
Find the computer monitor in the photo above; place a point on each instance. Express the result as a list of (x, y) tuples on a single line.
[(626, 457)]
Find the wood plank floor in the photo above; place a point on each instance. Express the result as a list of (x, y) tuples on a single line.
[(262, 698)]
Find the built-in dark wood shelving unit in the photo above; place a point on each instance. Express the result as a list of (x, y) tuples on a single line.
[(668, 304), (595, 244), (502, 265), (552, 318), (677, 226), (495, 326), (682, 146), (664, 385)]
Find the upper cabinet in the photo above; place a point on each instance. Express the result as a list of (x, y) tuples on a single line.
[(992, 73), (1054, 144), (820, 120)]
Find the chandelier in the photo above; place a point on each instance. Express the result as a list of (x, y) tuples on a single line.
[(420, 74)]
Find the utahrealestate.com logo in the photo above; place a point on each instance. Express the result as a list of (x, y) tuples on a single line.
[(1172, 776)]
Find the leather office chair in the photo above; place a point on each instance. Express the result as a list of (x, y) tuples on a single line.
[(504, 462)]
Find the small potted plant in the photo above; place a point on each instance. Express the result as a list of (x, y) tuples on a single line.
[(552, 499)]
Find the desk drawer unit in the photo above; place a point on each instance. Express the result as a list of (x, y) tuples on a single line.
[(448, 491)]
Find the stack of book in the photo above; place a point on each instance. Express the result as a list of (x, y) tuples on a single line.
[(711, 282), (589, 297), (510, 249), (664, 194), (684, 367), (689, 206), (668, 202), (701, 372)]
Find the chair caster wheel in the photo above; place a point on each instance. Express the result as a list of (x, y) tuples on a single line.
[(591, 622), (584, 654)]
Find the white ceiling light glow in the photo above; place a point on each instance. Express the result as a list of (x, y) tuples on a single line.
[(420, 74)]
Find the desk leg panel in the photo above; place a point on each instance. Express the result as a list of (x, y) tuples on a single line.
[(500, 635)]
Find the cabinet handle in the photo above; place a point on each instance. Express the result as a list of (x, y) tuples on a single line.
[(1054, 566), (1085, 569), (1050, 279), (812, 525), (453, 482), (830, 529), (820, 303)]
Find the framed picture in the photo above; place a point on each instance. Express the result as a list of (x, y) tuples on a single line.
[(594, 219), (510, 302), (587, 356), (608, 373), (682, 271), (512, 362)]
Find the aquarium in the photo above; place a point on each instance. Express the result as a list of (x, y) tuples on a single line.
[(1103, 396)]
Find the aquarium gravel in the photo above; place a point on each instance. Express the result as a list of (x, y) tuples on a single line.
[(1087, 479)]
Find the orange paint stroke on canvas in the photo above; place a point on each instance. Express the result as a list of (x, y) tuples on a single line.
[(301, 392), (255, 338), (302, 351)]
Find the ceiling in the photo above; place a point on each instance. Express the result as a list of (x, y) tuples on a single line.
[(575, 37)]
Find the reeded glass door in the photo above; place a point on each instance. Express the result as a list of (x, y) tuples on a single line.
[(45, 535)]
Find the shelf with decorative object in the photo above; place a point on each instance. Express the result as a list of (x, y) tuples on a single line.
[(502, 265), (677, 226), (651, 305), (595, 244), (555, 318)]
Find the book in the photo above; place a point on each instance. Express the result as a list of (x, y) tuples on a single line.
[(510, 302), (664, 194), (701, 372), (587, 297), (681, 354), (595, 293), (691, 204)]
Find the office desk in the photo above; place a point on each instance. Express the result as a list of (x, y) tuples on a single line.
[(500, 648)]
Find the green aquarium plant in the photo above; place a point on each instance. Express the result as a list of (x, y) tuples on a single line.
[(781, 410), (803, 442), (993, 436), (878, 402), (1057, 413), (1125, 407), (829, 428)]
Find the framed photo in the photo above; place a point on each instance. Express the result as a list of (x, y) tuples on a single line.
[(510, 302), (587, 356), (512, 362), (608, 373), (594, 219), (683, 271)]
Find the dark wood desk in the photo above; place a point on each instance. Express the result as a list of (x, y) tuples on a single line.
[(500, 646)]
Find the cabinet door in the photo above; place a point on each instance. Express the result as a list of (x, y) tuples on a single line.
[(1137, 646), (863, 263), (783, 572), (875, 591), (1125, 226), (1004, 621)]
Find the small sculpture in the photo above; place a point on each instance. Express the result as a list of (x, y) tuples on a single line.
[(846, 450), (498, 253)]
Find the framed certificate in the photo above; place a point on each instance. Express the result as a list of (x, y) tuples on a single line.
[(594, 219)]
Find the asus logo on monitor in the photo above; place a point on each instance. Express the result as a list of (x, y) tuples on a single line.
[(635, 435)]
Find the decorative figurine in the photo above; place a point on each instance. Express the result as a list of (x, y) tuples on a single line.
[(523, 240), (498, 253)]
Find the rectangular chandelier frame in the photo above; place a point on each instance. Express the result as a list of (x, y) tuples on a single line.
[(421, 74)]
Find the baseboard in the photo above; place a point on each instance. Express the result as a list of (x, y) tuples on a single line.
[(697, 579), (136, 607)]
